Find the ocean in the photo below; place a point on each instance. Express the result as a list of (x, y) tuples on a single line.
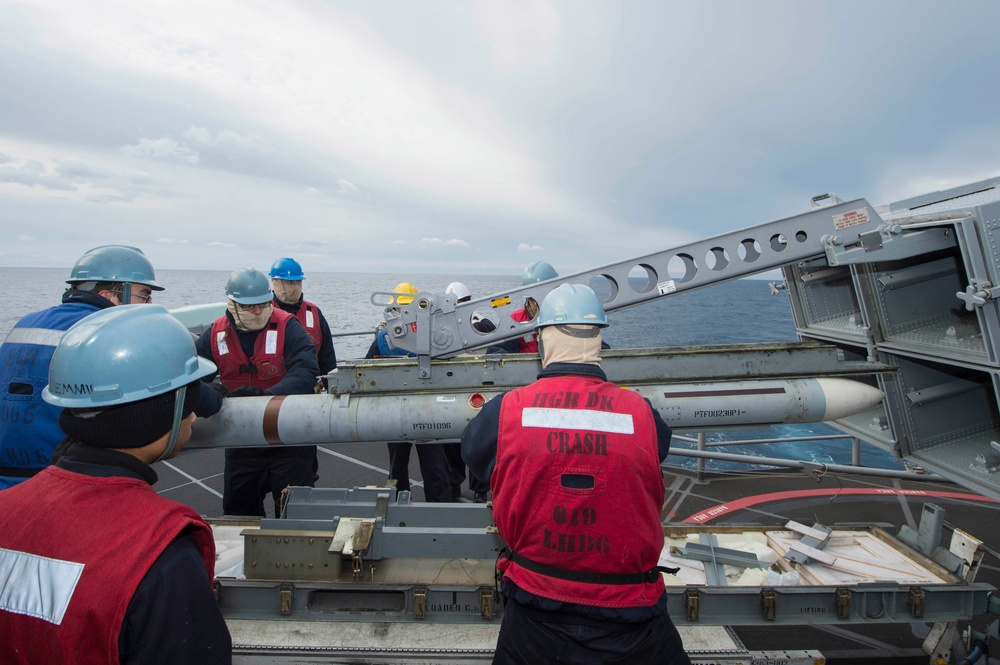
[(741, 311)]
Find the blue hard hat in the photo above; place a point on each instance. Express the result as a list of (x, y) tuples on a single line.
[(249, 286), (571, 304), (287, 269), (114, 263), (120, 355), (539, 271)]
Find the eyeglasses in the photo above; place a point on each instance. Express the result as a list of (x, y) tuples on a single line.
[(140, 296), (249, 308)]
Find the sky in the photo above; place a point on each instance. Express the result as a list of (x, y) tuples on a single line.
[(440, 136)]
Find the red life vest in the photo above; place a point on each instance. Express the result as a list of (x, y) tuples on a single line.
[(88, 542), (529, 342), (601, 441), (308, 316), (267, 366)]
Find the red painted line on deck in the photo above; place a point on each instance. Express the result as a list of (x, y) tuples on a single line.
[(723, 508)]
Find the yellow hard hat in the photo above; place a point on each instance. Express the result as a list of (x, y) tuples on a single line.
[(404, 287)]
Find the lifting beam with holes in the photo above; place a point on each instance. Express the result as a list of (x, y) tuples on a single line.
[(434, 326)]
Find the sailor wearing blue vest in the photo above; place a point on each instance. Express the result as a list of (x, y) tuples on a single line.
[(103, 277), (574, 465), (433, 465)]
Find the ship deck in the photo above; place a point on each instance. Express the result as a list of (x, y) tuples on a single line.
[(768, 498)]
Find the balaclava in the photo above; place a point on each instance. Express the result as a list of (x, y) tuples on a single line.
[(570, 344)]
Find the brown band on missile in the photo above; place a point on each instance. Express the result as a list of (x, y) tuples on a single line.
[(270, 424), (728, 393)]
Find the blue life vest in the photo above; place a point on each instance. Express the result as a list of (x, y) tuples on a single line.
[(29, 427)]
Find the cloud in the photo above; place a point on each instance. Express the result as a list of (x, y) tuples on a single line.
[(525, 247), (223, 245), (312, 191), (33, 173), (248, 141), (43, 172), (162, 148), (346, 186), (171, 241), (25, 238), (322, 78), (109, 198), (441, 242)]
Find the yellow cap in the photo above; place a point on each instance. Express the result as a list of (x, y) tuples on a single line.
[(404, 287)]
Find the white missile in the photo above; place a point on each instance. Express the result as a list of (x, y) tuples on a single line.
[(436, 416)]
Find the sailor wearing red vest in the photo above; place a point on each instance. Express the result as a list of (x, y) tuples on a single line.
[(97, 567), (260, 351), (539, 271), (574, 466), (286, 283)]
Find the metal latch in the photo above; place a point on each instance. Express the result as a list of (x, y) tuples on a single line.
[(768, 604), (916, 602), (486, 602), (420, 603), (843, 604), (976, 294), (357, 566), (285, 599), (692, 600)]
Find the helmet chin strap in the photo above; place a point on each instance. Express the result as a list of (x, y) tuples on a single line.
[(175, 429)]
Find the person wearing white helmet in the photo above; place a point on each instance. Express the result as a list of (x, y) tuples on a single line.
[(103, 277), (453, 451), (261, 350), (96, 566), (433, 466), (567, 456)]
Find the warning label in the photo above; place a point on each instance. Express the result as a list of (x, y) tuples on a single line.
[(666, 287), (852, 218)]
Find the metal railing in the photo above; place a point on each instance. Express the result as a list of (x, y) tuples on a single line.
[(703, 453)]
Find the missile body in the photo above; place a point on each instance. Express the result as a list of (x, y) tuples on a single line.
[(437, 416)]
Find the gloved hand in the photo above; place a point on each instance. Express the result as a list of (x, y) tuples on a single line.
[(248, 391), (221, 389)]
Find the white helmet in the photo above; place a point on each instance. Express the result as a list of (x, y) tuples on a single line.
[(460, 291)]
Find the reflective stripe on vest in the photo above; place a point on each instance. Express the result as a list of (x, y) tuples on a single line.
[(308, 316), (37, 586), (40, 336)]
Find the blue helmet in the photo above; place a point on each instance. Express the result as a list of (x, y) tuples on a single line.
[(287, 269), (539, 271), (249, 286), (120, 355), (571, 304), (114, 263)]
